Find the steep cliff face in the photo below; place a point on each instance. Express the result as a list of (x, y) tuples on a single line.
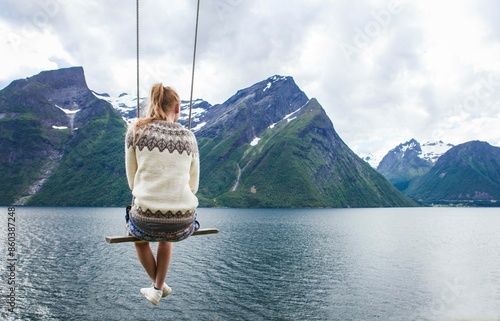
[(33, 133), (56, 136)]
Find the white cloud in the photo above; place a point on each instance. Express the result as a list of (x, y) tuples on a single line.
[(384, 70)]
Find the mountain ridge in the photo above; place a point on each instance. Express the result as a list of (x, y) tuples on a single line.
[(413, 171), (268, 145)]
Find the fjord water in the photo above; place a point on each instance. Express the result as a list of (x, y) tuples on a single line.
[(321, 264)]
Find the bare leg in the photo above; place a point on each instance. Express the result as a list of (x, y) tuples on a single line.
[(164, 255), (147, 258)]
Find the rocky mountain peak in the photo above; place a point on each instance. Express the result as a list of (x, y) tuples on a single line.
[(65, 88), (403, 163), (255, 108), (411, 147)]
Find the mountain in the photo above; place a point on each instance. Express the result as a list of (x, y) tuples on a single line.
[(60, 144), (409, 160), (467, 173), (271, 146), (268, 145), (429, 151)]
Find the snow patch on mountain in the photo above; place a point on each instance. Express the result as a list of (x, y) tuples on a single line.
[(411, 145), (272, 80), (431, 151), (123, 102), (196, 111), (198, 127), (288, 117), (68, 111), (276, 78), (255, 141)]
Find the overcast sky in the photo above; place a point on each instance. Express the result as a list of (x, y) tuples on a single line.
[(385, 71)]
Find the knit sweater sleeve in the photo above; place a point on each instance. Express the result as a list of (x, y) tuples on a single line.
[(194, 173), (130, 159)]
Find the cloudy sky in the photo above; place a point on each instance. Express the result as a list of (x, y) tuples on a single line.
[(385, 71)]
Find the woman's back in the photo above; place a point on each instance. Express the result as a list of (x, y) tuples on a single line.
[(163, 167)]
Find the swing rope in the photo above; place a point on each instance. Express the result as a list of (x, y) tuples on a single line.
[(137, 35), (194, 60)]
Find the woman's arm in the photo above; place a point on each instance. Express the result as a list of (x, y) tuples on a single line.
[(194, 173), (130, 160)]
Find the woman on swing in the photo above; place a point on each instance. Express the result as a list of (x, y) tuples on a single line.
[(162, 165)]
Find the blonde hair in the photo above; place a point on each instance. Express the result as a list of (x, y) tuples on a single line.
[(161, 99)]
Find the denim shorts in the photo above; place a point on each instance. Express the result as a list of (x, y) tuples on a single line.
[(162, 232)]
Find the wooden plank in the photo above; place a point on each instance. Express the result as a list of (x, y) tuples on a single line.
[(125, 238)]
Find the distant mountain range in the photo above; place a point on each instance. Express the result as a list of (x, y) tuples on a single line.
[(429, 151), (438, 173), (268, 145), (409, 160)]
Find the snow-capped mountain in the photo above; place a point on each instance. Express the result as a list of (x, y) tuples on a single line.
[(126, 105), (409, 160), (429, 151)]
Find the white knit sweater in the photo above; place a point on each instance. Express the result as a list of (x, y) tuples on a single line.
[(162, 164)]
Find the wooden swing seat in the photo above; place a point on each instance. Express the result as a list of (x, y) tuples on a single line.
[(126, 238)]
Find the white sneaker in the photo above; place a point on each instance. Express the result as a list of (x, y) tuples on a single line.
[(152, 294), (166, 290)]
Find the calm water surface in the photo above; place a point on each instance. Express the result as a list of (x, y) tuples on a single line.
[(329, 264)]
